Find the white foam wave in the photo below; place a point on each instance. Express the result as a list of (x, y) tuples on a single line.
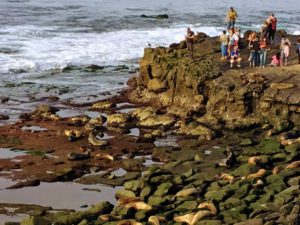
[(44, 48)]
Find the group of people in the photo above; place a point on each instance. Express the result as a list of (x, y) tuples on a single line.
[(258, 43)]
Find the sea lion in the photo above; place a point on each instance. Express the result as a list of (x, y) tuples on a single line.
[(129, 222), (109, 217), (104, 156), (124, 200), (258, 184), (276, 170), (254, 160), (193, 218), (293, 165), (290, 141), (225, 176), (73, 134), (229, 161), (156, 219), (79, 119), (138, 205), (94, 141), (208, 205), (260, 173), (73, 156), (95, 122)]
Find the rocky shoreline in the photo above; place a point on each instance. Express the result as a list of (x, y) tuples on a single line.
[(235, 158)]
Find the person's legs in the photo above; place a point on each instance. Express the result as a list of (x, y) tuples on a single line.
[(256, 56), (299, 58), (239, 59), (229, 25), (231, 62), (233, 24), (285, 60), (272, 35), (263, 56), (223, 50)]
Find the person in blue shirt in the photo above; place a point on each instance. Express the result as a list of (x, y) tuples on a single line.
[(235, 57)]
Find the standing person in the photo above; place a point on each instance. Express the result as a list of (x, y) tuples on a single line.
[(235, 57), (255, 48), (251, 38), (284, 47), (273, 21), (298, 49), (190, 36), (285, 52), (231, 18), (265, 29), (224, 45), (263, 52), (233, 40)]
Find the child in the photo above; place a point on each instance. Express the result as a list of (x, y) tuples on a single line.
[(276, 60), (235, 57), (285, 51), (224, 45)]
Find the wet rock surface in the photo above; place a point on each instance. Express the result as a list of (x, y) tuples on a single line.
[(202, 144)]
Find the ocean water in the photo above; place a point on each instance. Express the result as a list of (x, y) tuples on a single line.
[(39, 38)]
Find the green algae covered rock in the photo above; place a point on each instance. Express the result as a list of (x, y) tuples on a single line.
[(35, 220), (92, 213)]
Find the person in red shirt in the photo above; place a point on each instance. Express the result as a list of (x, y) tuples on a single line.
[(273, 25)]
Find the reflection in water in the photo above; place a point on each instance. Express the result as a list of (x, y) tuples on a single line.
[(7, 153), (59, 195), (33, 128), (168, 141)]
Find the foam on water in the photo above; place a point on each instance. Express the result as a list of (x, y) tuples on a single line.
[(45, 48)]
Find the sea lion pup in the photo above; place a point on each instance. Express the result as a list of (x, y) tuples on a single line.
[(254, 160), (293, 165), (290, 141), (94, 122), (104, 156), (73, 135), (276, 170), (208, 205), (258, 184), (50, 116), (124, 200), (226, 176), (260, 173), (229, 161), (193, 218), (288, 135), (129, 222), (73, 156), (79, 120), (108, 217), (186, 192), (156, 219), (93, 138), (138, 205)]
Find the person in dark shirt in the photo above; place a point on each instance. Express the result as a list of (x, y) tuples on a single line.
[(189, 38), (255, 50), (235, 57)]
